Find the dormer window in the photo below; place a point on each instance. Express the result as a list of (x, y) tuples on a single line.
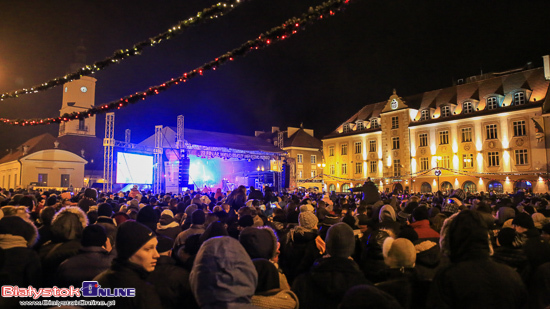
[(467, 107), (360, 125), (347, 127), (519, 98), (492, 103), (424, 115), (374, 123), (445, 111)]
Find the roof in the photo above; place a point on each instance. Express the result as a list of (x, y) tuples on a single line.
[(478, 88), (302, 139), (213, 139), (92, 146)]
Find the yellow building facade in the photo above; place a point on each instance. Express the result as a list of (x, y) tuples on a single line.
[(487, 133)]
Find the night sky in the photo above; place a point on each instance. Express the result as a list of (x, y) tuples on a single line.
[(319, 77)]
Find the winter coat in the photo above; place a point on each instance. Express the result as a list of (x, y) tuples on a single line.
[(406, 286), (423, 229), (513, 257), (172, 284), (193, 229), (88, 263), (171, 230), (326, 283), (124, 274), (21, 264), (277, 298), (428, 258), (53, 254), (299, 254)]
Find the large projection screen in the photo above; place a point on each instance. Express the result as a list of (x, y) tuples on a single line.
[(134, 168)]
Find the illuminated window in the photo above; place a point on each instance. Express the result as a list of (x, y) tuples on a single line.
[(519, 128), (313, 159), (519, 98), (445, 162), (372, 146), (493, 158), (360, 126), (424, 114), (331, 151), (468, 160), (358, 167), (394, 122), (424, 164), (344, 168), (300, 158), (347, 127), (358, 146), (445, 111), (467, 107), (313, 173), (300, 174), (344, 149), (443, 137), (492, 103), (332, 170), (396, 168), (521, 157), (43, 180), (395, 142), (373, 166), (374, 123), (466, 135), (423, 140), (491, 131)]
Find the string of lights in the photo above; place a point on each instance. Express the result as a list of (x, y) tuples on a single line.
[(215, 11), (279, 33)]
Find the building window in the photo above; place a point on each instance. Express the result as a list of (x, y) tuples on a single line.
[(519, 98), (360, 125), (358, 168), (445, 162), (491, 131), (300, 158), (347, 127), (373, 166), (519, 128), (493, 158), (313, 173), (424, 164), (467, 107), (81, 125), (445, 111), (396, 168), (300, 174), (424, 114), (313, 159), (466, 135), (423, 140), (394, 122), (344, 150), (358, 146), (395, 142), (332, 169), (344, 168), (331, 151), (345, 188), (372, 146), (43, 180), (492, 103), (495, 186), (521, 157), (468, 160), (332, 188), (425, 188), (65, 180), (374, 124), (443, 137)]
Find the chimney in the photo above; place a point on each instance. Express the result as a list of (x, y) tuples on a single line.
[(546, 60), (257, 133), (274, 129), (82, 153), (55, 144), (25, 149)]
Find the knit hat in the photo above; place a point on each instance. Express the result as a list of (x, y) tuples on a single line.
[(17, 226), (166, 217), (131, 236), (539, 220), (93, 235), (508, 237), (259, 242), (505, 213), (399, 253), (105, 210), (308, 220), (459, 194), (452, 206), (90, 193), (524, 220), (307, 207), (245, 221), (148, 216), (387, 211), (165, 243), (198, 217), (340, 241)]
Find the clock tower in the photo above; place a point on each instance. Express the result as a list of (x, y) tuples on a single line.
[(78, 96)]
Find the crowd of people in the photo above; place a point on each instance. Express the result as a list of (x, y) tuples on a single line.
[(296, 249)]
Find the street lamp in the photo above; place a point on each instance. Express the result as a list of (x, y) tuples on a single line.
[(438, 172)]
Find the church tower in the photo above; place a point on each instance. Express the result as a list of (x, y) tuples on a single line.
[(78, 96)]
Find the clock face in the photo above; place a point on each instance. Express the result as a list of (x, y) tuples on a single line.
[(394, 104), (83, 89)]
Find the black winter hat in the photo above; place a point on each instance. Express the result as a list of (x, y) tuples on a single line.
[(259, 242), (165, 243), (93, 235), (246, 221), (105, 210), (340, 241), (130, 237), (148, 217), (524, 220), (198, 217)]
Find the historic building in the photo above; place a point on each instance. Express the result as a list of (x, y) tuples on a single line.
[(486, 133)]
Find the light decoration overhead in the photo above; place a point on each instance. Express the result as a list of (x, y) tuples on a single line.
[(279, 33), (206, 14)]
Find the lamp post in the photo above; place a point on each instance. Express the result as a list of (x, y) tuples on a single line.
[(322, 166), (438, 172)]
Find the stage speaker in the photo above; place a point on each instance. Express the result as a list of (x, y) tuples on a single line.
[(183, 178), (286, 176)]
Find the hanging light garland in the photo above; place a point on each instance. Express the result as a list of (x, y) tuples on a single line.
[(279, 33), (206, 14)]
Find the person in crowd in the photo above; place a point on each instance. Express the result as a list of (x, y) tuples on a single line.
[(167, 225), (197, 227), (421, 224), (269, 293), (45, 230)]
